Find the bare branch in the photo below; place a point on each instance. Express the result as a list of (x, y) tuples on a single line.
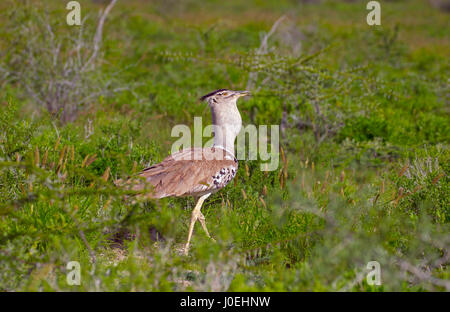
[(99, 34), (264, 42), (252, 76), (423, 276)]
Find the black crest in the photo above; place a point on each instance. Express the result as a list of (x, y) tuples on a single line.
[(210, 94)]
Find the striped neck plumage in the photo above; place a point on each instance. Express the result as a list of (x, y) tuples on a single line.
[(227, 123)]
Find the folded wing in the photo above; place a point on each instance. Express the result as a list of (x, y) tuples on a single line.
[(194, 171)]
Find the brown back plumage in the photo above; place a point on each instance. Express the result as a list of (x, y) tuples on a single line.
[(194, 171)]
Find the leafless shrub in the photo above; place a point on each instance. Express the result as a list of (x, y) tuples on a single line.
[(420, 168), (60, 72)]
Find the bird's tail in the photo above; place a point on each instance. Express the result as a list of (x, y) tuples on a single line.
[(139, 184)]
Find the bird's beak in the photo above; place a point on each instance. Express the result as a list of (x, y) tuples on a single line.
[(242, 93)]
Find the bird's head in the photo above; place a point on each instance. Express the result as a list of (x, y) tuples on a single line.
[(223, 96)]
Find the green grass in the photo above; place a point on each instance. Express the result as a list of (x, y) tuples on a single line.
[(365, 179)]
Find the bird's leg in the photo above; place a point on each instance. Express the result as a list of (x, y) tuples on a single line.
[(201, 218), (196, 213)]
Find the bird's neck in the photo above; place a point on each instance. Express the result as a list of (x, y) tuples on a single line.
[(227, 143), (227, 123)]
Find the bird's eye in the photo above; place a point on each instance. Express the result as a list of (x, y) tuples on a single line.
[(224, 93)]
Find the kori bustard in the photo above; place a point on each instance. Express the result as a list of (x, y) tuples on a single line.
[(198, 172)]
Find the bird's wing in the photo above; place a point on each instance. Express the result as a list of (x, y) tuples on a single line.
[(192, 171)]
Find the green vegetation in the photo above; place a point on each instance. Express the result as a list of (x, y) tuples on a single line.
[(364, 166)]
